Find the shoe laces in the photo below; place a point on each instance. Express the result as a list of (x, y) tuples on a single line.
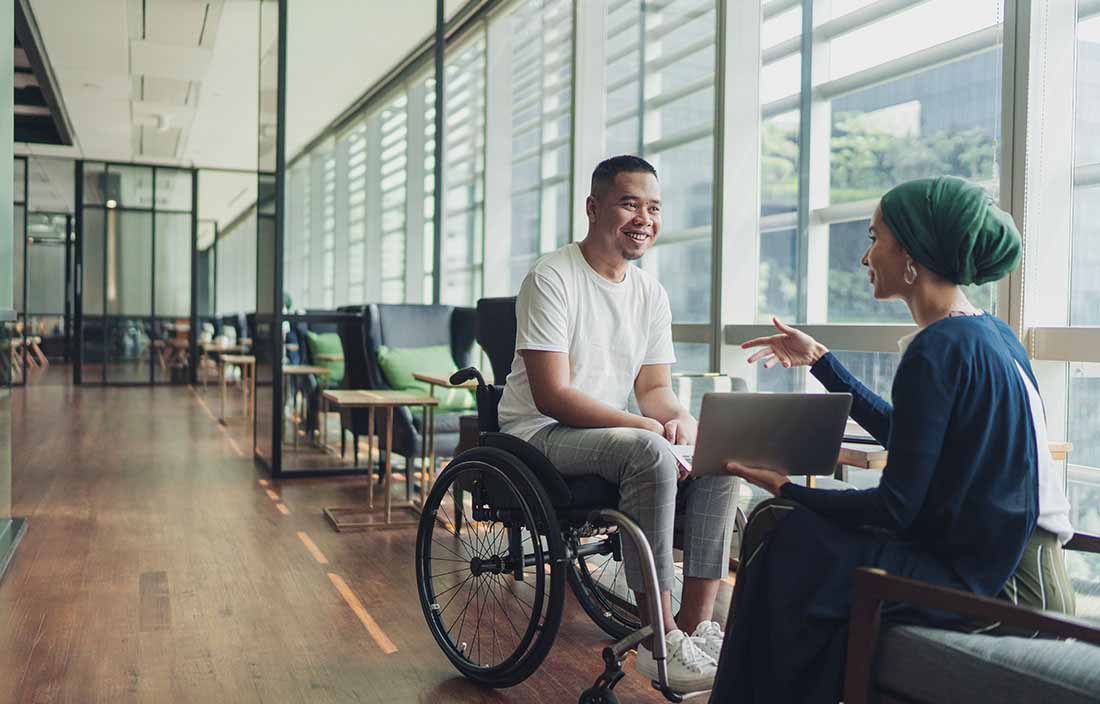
[(687, 653), (708, 629)]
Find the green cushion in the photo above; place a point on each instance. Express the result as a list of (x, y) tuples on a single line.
[(327, 343), (399, 364)]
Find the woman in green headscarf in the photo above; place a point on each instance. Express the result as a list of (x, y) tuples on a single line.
[(969, 494)]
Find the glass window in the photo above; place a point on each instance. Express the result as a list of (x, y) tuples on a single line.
[(19, 244), (875, 369), (173, 263), (943, 120), (1084, 478), (19, 181), (542, 64), (781, 27), (464, 170), (355, 142), (327, 188), (923, 26), (660, 101), (46, 235), (777, 273), (129, 186), (173, 189), (426, 93), (236, 267), (392, 191), (95, 182), (777, 276), (129, 253), (779, 164), (204, 273), (94, 229), (884, 128), (692, 357), (297, 236), (1084, 308), (1083, 393)]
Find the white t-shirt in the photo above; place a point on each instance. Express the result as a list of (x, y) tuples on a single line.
[(1053, 505), (609, 330)]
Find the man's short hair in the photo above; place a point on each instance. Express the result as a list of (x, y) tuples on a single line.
[(608, 169)]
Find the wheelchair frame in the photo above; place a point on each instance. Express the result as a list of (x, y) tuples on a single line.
[(511, 494)]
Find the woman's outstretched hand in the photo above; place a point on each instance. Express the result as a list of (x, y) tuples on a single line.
[(767, 479), (790, 347)]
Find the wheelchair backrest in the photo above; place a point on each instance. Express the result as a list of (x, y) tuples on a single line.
[(496, 333), (488, 398)]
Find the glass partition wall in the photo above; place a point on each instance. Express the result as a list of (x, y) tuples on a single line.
[(49, 262), (268, 333), (135, 229), (15, 350)]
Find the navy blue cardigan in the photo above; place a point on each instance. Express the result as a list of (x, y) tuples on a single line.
[(962, 475)]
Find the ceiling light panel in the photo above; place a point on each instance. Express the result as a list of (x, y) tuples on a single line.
[(166, 91), (153, 143), (174, 22)]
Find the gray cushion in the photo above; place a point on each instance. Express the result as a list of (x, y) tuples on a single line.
[(444, 422), (934, 665)]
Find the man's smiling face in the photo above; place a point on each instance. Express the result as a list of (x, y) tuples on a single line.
[(627, 215)]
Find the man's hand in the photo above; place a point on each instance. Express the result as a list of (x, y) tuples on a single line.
[(651, 425), (681, 430)]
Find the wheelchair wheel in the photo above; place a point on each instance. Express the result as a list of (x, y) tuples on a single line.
[(493, 594), (598, 696), (598, 580)]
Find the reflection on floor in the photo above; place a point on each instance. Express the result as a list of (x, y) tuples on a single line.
[(57, 374), (162, 565)]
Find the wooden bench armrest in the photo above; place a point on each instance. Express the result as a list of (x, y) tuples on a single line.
[(872, 587)]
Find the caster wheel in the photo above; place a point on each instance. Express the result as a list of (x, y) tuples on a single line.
[(598, 696)]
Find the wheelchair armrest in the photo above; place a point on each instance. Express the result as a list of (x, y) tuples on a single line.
[(488, 398), (547, 474)]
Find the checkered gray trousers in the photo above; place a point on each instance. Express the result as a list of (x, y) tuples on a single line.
[(643, 466)]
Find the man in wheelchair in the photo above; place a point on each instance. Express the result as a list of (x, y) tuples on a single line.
[(590, 329)]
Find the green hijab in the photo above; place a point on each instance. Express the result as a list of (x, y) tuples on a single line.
[(953, 228)]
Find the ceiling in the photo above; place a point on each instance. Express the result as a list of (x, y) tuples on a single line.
[(175, 81)]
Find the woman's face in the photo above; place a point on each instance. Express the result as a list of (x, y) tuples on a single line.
[(885, 260)]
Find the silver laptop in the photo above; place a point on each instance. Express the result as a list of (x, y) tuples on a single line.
[(795, 434)]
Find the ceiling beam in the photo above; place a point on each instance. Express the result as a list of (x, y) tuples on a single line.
[(26, 32)]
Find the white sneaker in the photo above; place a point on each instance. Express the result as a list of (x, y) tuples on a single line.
[(708, 636), (689, 668)]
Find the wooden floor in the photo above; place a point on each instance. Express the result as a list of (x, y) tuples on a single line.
[(159, 567)]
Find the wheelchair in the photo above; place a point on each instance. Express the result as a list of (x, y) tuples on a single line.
[(491, 569)]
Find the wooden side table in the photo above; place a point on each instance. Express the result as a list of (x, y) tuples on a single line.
[(358, 518), (245, 362), (874, 456), (433, 381), (207, 348), (290, 370)]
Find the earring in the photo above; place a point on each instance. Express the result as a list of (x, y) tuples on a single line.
[(910, 274)]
